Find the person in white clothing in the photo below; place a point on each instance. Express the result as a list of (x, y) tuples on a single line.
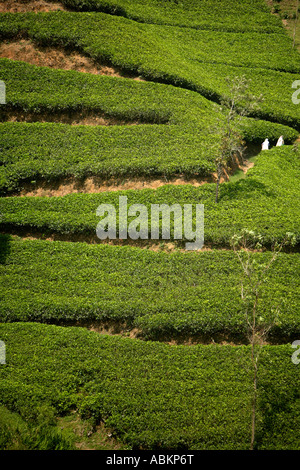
[(265, 145), (280, 141)]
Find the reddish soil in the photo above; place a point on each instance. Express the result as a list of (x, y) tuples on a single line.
[(58, 58), (84, 118), (11, 6), (99, 185), (246, 166)]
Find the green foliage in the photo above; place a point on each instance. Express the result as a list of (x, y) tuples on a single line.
[(234, 51), (255, 131), (17, 434), (46, 151), (38, 89), (51, 151), (168, 54), (253, 15), (184, 57), (59, 282), (186, 145), (151, 395), (248, 203)]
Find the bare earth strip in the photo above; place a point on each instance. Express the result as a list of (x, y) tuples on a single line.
[(84, 118), (96, 184), (11, 6), (114, 328), (92, 239), (58, 58), (99, 185)]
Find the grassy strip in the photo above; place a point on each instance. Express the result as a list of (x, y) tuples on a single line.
[(17, 434), (265, 201), (151, 395), (65, 283)]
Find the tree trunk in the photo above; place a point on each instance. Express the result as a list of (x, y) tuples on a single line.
[(253, 419), (254, 359), (295, 26), (217, 189), (219, 175)]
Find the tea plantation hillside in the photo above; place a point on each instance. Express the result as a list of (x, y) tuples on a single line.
[(137, 343)]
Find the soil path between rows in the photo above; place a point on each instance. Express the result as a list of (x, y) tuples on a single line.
[(12, 6), (96, 184)]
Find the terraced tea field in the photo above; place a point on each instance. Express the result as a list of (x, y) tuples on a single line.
[(138, 343)]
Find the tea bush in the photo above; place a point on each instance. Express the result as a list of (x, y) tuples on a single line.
[(152, 395), (60, 282), (264, 201)]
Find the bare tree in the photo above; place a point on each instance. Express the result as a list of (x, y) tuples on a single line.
[(295, 24), (238, 104), (253, 278)]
